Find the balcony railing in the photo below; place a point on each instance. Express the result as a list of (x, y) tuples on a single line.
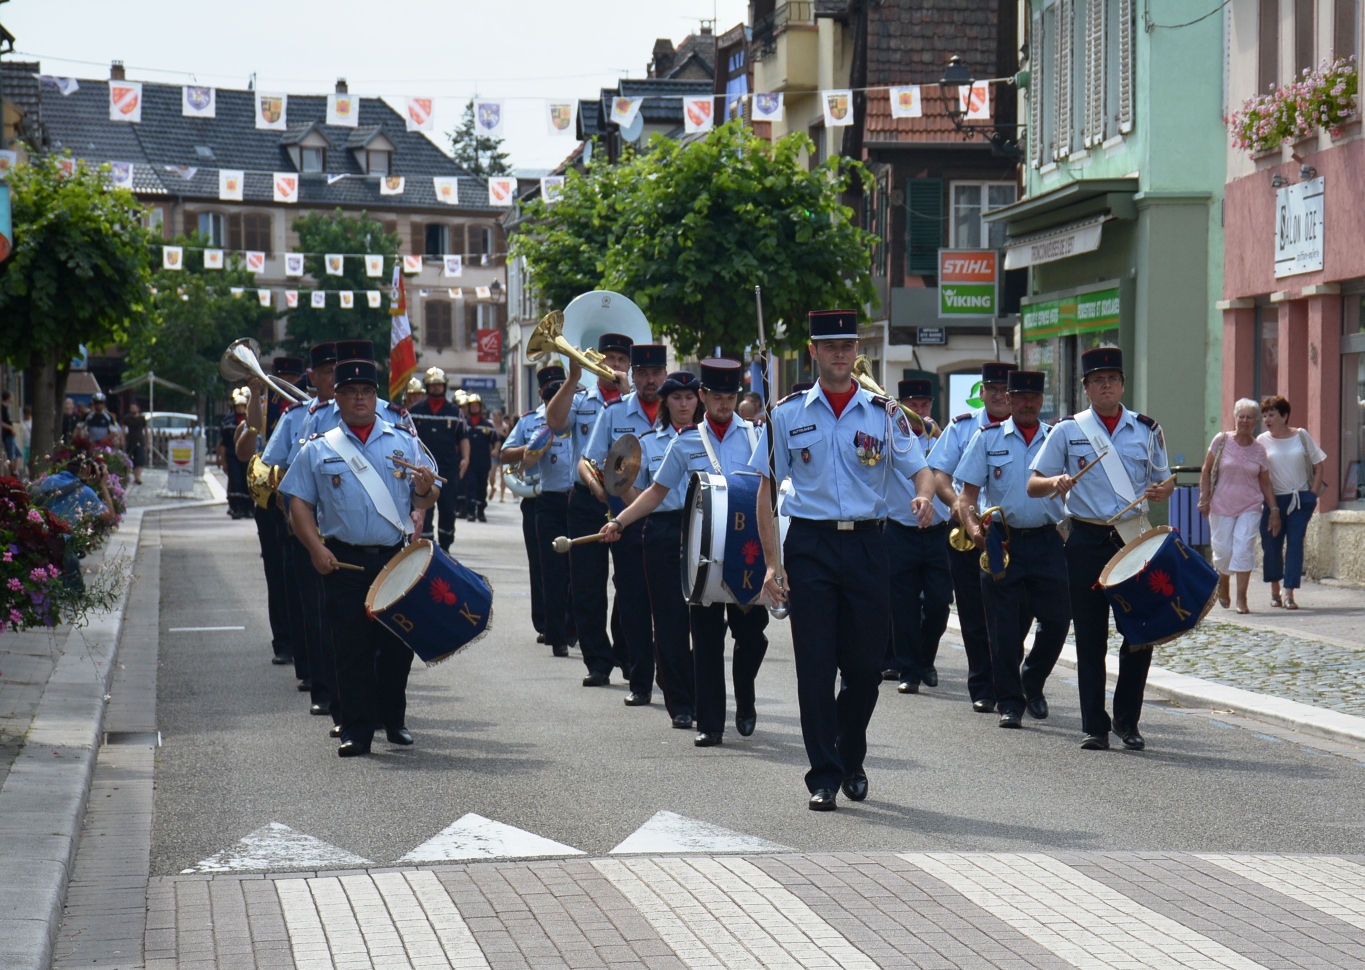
[(769, 28)]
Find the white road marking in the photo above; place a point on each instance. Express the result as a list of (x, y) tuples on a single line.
[(475, 837), (1080, 919), (1328, 884), (277, 848), (727, 914), (202, 629), (669, 833)]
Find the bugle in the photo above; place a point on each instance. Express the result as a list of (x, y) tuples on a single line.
[(862, 373), (548, 338), (241, 362)]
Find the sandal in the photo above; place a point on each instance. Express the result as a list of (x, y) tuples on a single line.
[(1275, 601), (1243, 609), (1291, 605), (1225, 601)]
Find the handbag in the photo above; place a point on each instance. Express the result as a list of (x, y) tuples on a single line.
[(1217, 458)]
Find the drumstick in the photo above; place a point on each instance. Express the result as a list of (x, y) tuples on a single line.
[(1081, 474), (564, 543), (407, 464), (345, 565), (1136, 502)]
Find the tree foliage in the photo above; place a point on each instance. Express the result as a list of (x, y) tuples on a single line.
[(477, 154), (687, 230)]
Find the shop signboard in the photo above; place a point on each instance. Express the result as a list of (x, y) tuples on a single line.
[(1083, 313), (968, 282), (931, 336), (180, 465), (1298, 227)]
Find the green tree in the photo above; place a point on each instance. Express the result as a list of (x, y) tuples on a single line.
[(78, 275), (477, 154), (196, 317), (353, 236)]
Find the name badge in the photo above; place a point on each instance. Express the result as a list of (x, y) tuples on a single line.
[(801, 430), (327, 461), (623, 430), (1005, 452)]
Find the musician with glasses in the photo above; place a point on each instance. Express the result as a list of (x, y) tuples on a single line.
[(352, 507), (1132, 454)]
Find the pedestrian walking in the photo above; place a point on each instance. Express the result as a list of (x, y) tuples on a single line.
[(1233, 483), (135, 432), (1296, 478)]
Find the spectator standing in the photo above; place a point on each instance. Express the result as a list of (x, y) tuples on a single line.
[(8, 432), (135, 432), (1296, 467), (1233, 483), (101, 424)]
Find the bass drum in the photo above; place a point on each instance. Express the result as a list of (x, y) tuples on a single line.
[(428, 600), (720, 524)]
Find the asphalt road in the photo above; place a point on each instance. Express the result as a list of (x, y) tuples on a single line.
[(505, 731)]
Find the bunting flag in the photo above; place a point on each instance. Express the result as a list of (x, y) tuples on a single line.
[(197, 102), (374, 265), (319, 300), (402, 353), (391, 185), (447, 189), (552, 188), (424, 293), (291, 299), (236, 291), (213, 259), (373, 297), (263, 297), (905, 102), (66, 86), (8, 160), (456, 293), (419, 114), (561, 118), (230, 185), (293, 264), (67, 166), (838, 107), (343, 110), (502, 191), (125, 101), (488, 118), (334, 179), (255, 262), (172, 257), (120, 175), (974, 101), (286, 187), (624, 110), (482, 292), (699, 114), (334, 263), (347, 299), (186, 172), (453, 266), (271, 111), (768, 107), (412, 264)]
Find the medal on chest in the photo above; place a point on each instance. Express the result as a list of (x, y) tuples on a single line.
[(867, 448)]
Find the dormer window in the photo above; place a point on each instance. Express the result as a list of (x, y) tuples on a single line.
[(371, 150), (377, 162), (307, 147), (314, 160)]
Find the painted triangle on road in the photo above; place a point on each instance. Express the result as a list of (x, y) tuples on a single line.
[(277, 848), (670, 833), (475, 837)]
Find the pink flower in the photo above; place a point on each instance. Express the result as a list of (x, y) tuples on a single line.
[(15, 585), (35, 516), (16, 617), (8, 557), (53, 571), (38, 574)]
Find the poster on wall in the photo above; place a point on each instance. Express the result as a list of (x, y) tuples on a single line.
[(1299, 210)]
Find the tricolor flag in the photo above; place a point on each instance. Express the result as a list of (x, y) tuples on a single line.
[(198, 102), (213, 259), (412, 264), (402, 353), (374, 265), (699, 114), (125, 101), (502, 191), (624, 110), (343, 110), (905, 102), (419, 116)]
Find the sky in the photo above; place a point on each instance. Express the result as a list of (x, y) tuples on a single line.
[(523, 51)]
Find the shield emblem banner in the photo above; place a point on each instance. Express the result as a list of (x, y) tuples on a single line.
[(343, 106), (561, 116), (490, 115), (125, 99), (838, 106), (198, 98), (419, 112), (272, 109)]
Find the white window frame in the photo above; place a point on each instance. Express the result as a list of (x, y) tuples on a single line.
[(220, 240), (304, 155), (985, 186)]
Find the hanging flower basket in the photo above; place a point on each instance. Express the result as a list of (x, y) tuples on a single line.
[(1321, 99)]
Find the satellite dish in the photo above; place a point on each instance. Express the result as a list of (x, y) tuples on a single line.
[(635, 129)]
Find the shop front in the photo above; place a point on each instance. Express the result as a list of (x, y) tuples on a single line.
[(1056, 328)]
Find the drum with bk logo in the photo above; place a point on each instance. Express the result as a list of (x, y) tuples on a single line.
[(721, 547), (1159, 588), (430, 602)]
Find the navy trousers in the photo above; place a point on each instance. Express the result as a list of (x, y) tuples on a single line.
[(632, 598), (708, 658), (922, 587), (588, 579), (528, 538), (316, 631), (474, 489), (272, 535), (672, 640), (552, 521), (971, 617)]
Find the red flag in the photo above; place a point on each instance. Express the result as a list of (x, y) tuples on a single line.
[(402, 354)]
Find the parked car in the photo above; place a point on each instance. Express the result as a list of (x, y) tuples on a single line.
[(171, 420)]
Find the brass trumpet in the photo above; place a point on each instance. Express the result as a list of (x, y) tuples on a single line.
[(862, 373), (985, 561), (548, 338)]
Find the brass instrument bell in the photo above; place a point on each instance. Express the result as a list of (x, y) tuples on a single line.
[(548, 338), (862, 373)]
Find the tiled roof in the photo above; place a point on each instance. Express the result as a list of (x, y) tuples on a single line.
[(934, 126), (910, 41), (22, 90), (164, 138), (694, 47), (657, 108)]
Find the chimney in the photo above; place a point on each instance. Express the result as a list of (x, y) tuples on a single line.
[(116, 71), (341, 86), (662, 60)]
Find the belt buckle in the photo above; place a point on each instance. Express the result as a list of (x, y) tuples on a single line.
[(845, 525)]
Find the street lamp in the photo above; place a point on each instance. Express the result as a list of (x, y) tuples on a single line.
[(956, 76)]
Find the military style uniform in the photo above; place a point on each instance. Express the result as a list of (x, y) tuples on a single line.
[(483, 438), (526, 427), (441, 429)]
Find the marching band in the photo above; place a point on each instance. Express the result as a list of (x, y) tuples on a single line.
[(849, 511)]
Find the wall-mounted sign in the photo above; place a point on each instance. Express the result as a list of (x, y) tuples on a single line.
[(1098, 310), (1050, 245), (931, 336), (968, 282), (1298, 227)]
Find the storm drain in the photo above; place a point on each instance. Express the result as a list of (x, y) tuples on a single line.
[(150, 739)]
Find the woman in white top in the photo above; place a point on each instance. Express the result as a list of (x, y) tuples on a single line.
[(1296, 464)]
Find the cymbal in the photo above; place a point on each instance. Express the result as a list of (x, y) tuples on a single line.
[(622, 465)]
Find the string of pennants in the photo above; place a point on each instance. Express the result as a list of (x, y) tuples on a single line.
[(317, 299), (333, 264)]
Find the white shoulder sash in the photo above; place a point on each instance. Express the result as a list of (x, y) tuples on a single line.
[(1110, 460), (370, 478), (705, 434)]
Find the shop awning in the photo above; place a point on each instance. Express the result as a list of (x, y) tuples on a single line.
[(1059, 242)]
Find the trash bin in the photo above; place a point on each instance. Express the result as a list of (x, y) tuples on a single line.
[(1185, 515)]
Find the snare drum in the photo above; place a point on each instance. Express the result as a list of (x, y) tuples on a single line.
[(1159, 587), (721, 548), (430, 602)]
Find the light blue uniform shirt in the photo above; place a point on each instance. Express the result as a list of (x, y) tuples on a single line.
[(287, 438), (616, 419), (323, 417), (555, 466), (583, 413), (527, 425), (688, 454), (819, 452), (997, 460), (900, 490), (653, 447), (948, 449), (323, 478), (1138, 441)]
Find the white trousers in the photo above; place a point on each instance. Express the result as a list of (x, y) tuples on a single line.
[(1234, 541)]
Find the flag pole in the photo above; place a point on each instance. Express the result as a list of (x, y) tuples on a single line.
[(778, 610)]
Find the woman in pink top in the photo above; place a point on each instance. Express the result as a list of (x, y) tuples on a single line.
[(1233, 484)]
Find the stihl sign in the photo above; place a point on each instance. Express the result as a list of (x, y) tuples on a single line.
[(968, 282)]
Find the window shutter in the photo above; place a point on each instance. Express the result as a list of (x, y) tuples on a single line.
[(923, 225), (419, 239), (1125, 66), (471, 323), (234, 231), (1065, 32), (1094, 95), (1036, 56), (390, 227)]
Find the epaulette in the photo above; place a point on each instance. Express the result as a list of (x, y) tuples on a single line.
[(687, 427), (1069, 417), (994, 424), (882, 401), (287, 406), (1150, 422), (401, 411), (317, 404), (963, 417), (315, 434), (529, 413), (790, 397)]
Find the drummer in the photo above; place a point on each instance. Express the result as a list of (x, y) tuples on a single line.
[(994, 472), (323, 416), (660, 509), (1132, 456), (346, 479)]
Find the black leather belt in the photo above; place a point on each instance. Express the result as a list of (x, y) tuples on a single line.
[(1028, 533), (367, 550), (843, 525), (1091, 526)]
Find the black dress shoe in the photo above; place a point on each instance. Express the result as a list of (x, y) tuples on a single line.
[(352, 749), (1010, 719), (304, 684), (855, 785), (637, 700), (930, 677), (822, 801), (482, 517), (908, 687), (1130, 738), (707, 739), (682, 722), (745, 721), (1095, 742), (597, 679), (1036, 707), (540, 638), (280, 659), (983, 706), (559, 649), (319, 710), (335, 732), (398, 735), (891, 675)]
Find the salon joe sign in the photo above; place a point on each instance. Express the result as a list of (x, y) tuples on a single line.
[(1298, 228)]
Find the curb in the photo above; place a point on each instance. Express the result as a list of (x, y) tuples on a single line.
[(42, 803)]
